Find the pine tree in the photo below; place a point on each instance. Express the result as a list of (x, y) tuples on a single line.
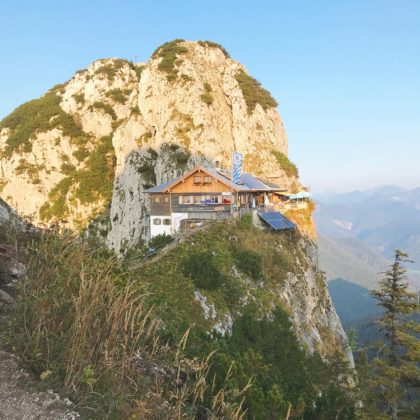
[(397, 359)]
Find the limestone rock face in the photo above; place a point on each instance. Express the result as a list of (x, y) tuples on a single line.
[(161, 118)]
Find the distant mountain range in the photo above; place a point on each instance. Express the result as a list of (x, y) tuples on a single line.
[(357, 234), (369, 225)]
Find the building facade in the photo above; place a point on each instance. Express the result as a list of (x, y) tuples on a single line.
[(203, 194)]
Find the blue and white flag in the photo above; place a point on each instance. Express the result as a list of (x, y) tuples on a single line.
[(237, 167)]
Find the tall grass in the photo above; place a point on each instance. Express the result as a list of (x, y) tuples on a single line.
[(83, 327)]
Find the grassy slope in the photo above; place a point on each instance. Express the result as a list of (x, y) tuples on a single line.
[(262, 345), (104, 338), (173, 288)]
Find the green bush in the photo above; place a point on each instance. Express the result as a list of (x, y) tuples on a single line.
[(186, 78), (36, 116), (214, 45), (169, 53), (118, 95), (93, 183), (176, 155), (79, 98), (245, 222), (81, 154), (202, 268), (159, 241), (67, 168), (207, 87), (207, 98), (147, 169), (288, 167), (249, 262), (96, 180), (104, 107), (29, 118), (254, 93), (110, 70)]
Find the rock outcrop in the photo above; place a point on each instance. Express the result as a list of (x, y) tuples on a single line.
[(99, 140)]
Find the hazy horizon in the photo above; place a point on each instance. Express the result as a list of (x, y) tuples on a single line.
[(346, 76)]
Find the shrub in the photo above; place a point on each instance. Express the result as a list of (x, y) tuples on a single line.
[(118, 95), (93, 183), (159, 241), (139, 71), (207, 98), (104, 107), (110, 70), (254, 93), (79, 98), (176, 155), (67, 168), (29, 118), (39, 115), (288, 167), (212, 44), (249, 262), (135, 110), (144, 138), (96, 180), (186, 78), (201, 267), (169, 53), (81, 154), (245, 222)]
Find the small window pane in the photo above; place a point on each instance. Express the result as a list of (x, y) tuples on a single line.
[(207, 179), (166, 200), (167, 222), (197, 180), (157, 199), (157, 222)]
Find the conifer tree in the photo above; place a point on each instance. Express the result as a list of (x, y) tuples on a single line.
[(397, 359)]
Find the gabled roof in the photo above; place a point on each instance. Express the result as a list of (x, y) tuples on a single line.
[(163, 187), (248, 182)]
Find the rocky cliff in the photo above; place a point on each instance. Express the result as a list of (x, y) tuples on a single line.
[(83, 154), (97, 141)]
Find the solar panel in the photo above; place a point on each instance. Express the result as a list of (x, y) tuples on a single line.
[(276, 220)]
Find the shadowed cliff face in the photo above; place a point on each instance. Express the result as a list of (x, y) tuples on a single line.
[(65, 156)]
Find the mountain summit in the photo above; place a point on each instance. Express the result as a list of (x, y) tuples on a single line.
[(114, 129)]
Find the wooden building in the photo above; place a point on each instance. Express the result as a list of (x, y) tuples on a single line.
[(201, 194)]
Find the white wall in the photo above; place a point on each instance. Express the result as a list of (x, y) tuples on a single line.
[(176, 220), (159, 229)]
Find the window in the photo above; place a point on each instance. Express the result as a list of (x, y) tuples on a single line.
[(157, 221), (157, 199), (186, 199), (167, 222), (197, 180), (197, 199), (166, 200), (207, 179)]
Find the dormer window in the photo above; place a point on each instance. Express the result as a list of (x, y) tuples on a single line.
[(197, 180)]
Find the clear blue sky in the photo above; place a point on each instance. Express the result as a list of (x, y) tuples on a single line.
[(346, 73)]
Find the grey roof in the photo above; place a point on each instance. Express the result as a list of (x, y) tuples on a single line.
[(162, 187), (248, 182), (254, 183)]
